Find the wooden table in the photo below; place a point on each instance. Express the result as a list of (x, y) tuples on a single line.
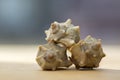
[(17, 62)]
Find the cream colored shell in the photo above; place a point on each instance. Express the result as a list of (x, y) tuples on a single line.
[(52, 56), (87, 53), (65, 33)]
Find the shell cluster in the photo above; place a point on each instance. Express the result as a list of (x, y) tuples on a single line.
[(65, 36)]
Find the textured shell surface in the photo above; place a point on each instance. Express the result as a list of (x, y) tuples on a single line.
[(87, 53), (52, 56), (65, 33)]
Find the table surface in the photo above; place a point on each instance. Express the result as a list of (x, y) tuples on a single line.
[(17, 62)]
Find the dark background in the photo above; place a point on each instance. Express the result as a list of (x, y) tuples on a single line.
[(24, 21)]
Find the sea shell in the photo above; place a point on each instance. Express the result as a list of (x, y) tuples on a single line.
[(87, 53), (65, 33), (52, 56)]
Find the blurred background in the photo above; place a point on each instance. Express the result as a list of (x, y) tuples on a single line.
[(24, 21)]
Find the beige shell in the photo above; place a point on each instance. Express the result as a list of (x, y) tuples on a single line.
[(65, 33), (87, 53), (52, 56)]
